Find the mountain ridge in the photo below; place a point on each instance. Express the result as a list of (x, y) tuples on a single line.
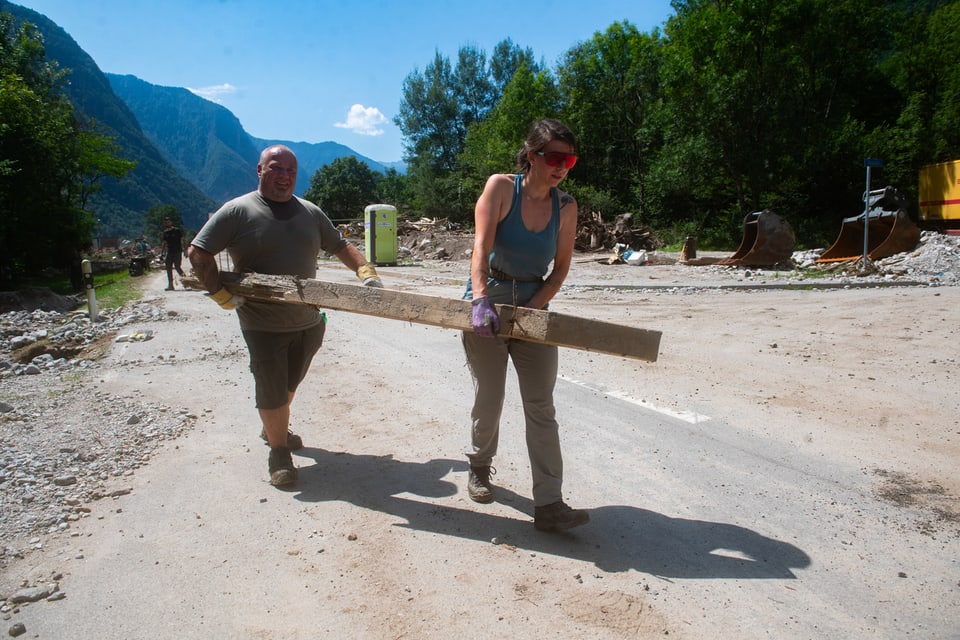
[(193, 168), (215, 148), (120, 205)]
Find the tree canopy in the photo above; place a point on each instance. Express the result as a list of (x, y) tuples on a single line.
[(343, 188), (736, 106), (49, 162)]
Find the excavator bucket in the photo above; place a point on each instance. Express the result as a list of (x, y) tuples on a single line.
[(889, 230), (768, 240)]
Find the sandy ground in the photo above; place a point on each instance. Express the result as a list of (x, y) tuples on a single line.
[(786, 469)]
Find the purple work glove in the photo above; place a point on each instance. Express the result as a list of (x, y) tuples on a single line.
[(486, 323)]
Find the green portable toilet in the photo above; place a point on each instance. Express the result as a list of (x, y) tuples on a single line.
[(380, 234)]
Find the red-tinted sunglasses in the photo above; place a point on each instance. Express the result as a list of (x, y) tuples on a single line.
[(558, 158)]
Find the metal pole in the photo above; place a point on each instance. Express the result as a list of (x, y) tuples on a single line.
[(866, 218), (868, 163)]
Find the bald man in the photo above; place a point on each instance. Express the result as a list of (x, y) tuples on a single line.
[(272, 231)]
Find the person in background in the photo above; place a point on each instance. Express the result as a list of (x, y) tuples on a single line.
[(523, 224), (172, 248), (272, 231)]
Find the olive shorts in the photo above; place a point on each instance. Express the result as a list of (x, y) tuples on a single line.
[(279, 361)]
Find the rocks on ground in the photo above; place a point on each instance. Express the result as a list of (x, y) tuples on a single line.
[(63, 447)]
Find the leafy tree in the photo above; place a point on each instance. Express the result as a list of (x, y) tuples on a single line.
[(778, 96), (612, 89), (943, 43), (393, 188), (923, 68), (739, 105), (438, 107), (99, 159), (429, 115), (49, 164), (343, 188), (492, 144), (506, 60), (38, 226)]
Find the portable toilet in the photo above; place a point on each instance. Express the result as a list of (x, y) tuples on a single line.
[(380, 234)]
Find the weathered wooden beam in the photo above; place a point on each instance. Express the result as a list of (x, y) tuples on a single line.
[(536, 325)]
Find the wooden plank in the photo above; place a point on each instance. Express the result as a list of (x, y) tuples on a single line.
[(547, 327)]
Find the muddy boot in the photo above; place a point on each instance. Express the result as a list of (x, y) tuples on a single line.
[(558, 516), (280, 465), (478, 484)]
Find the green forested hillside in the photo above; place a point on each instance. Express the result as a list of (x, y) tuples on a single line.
[(203, 140), (120, 205)]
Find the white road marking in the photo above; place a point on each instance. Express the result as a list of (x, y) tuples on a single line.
[(687, 416)]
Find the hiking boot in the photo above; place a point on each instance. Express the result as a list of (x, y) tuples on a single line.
[(558, 516), (294, 442), (478, 484), (280, 464)]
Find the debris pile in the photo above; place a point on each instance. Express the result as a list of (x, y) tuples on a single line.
[(51, 340), (433, 239), (593, 234), (441, 239), (935, 260)]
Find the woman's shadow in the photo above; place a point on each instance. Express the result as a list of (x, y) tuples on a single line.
[(618, 538)]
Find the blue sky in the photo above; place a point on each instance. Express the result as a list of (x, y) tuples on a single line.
[(321, 70)]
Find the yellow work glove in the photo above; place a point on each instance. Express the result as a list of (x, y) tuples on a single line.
[(368, 275), (226, 299)]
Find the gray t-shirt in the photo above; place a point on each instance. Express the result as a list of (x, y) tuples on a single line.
[(274, 238)]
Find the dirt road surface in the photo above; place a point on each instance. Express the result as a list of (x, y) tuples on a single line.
[(787, 469)]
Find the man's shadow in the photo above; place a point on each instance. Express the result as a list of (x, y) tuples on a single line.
[(618, 537)]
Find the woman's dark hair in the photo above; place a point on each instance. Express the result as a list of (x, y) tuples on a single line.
[(540, 133)]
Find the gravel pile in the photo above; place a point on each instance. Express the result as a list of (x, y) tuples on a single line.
[(62, 445), (935, 261)]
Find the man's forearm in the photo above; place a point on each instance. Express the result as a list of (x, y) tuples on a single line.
[(204, 268), (351, 257)]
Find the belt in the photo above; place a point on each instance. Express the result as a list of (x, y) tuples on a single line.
[(500, 275)]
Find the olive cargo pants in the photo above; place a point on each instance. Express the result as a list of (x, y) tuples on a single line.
[(536, 366)]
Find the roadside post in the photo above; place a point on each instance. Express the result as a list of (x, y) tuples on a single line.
[(87, 269), (869, 163)]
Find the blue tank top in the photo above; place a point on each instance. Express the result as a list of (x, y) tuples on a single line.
[(519, 252)]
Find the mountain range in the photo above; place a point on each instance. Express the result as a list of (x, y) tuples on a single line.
[(205, 140), (190, 153)]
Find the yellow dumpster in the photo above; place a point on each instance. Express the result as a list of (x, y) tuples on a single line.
[(940, 195)]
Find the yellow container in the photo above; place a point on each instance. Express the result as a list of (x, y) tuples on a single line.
[(940, 193), (380, 234)]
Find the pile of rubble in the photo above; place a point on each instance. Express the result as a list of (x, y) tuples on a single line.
[(442, 239), (63, 339), (63, 446), (593, 234), (935, 260)]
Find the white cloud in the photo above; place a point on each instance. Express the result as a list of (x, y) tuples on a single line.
[(365, 121), (214, 93)]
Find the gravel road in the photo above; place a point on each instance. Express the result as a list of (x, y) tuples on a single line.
[(786, 469)]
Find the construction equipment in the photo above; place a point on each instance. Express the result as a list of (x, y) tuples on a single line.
[(889, 230), (768, 240), (940, 196)]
